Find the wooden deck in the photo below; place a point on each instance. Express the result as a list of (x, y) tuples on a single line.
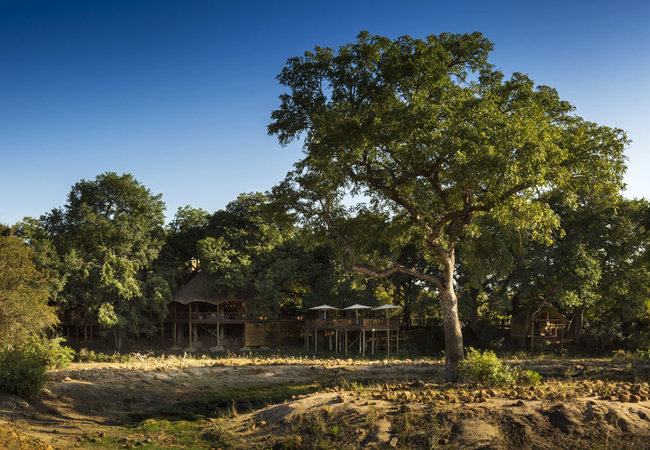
[(361, 323)]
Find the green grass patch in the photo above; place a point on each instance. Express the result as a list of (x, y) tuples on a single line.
[(224, 403)]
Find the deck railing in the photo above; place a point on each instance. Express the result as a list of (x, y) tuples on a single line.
[(362, 322), (206, 316)]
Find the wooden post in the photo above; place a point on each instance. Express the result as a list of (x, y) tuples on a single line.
[(336, 342), (174, 332), (532, 337), (346, 342), (363, 344), (388, 342), (218, 336), (397, 350), (372, 346)]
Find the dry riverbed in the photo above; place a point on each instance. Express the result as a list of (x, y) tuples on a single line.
[(259, 402)]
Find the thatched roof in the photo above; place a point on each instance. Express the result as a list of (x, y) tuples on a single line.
[(198, 290)]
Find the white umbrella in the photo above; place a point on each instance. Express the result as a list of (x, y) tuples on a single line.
[(356, 308), (324, 308), (386, 308)]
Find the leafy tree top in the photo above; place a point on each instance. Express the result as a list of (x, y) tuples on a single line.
[(433, 134)]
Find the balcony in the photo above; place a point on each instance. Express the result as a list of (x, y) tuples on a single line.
[(361, 322)]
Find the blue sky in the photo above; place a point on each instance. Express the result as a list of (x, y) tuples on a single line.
[(179, 93)]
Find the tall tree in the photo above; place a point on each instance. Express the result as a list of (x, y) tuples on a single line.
[(110, 231), (434, 137), (24, 309)]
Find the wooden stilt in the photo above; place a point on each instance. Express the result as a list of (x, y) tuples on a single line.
[(397, 350), (218, 335), (336, 342), (346, 342), (174, 333), (532, 337), (373, 342), (388, 341)]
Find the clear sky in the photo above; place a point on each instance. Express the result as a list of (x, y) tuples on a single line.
[(179, 93)]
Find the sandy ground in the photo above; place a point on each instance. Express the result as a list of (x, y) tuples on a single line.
[(88, 397)]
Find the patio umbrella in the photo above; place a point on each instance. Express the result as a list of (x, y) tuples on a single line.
[(356, 308), (386, 308), (324, 308)]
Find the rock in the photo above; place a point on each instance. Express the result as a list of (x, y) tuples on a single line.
[(245, 349), (340, 398), (393, 443), (623, 398), (67, 379), (635, 399), (264, 348), (190, 350), (176, 348), (217, 349)]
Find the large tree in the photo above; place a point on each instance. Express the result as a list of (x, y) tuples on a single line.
[(24, 309), (110, 231), (435, 137)]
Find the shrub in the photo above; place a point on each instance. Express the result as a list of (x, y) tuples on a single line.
[(526, 377), (486, 369), (51, 353), (23, 370)]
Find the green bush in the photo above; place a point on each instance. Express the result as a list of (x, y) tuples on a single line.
[(51, 353), (486, 369), (23, 370), (84, 355), (526, 377)]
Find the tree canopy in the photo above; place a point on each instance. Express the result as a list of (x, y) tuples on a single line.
[(110, 231), (24, 309), (434, 137)]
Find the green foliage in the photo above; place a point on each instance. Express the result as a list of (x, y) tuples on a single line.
[(109, 234), (22, 372), (23, 369), (24, 310), (486, 369), (84, 355), (433, 138)]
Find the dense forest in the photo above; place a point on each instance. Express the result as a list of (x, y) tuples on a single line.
[(429, 181), (109, 251)]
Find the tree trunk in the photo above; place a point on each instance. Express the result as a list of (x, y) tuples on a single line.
[(577, 326), (472, 320), (451, 322), (118, 339)]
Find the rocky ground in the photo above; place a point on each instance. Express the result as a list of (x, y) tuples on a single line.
[(346, 404)]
